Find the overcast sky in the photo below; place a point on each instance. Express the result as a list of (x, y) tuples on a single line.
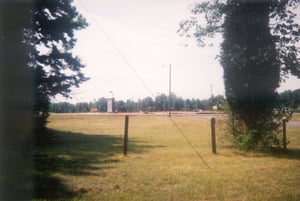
[(128, 47)]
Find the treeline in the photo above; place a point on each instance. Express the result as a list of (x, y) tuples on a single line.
[(148, 104), (288, 98)]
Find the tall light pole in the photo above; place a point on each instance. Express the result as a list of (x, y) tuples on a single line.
[(170, 82), (112, 94), (170, 76)]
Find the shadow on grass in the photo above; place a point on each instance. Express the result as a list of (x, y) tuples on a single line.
[(75, 154), (290, 153)]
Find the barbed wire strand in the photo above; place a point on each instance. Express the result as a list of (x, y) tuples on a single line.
[(189, 142), (117, 49)]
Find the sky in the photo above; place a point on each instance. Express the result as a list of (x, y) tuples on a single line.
[(129, 46)]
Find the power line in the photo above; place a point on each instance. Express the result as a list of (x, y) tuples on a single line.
[(189, 142), (198, 60), (117, 50)]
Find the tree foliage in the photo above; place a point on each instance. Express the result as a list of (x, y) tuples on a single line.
[(148, 104), (51, 36), (248, 57), (15, 103), (288, 102), (258, 51), (208, 20)]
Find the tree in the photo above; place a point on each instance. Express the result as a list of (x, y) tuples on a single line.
[(288, 102), (82, 107), (121, 106), (178, 102), (15, 103), (130, 106), (147, 104), (218, 101), (101, 104), (258, 52), (161, 102), (62, 107), (35, 42), (51, 36)]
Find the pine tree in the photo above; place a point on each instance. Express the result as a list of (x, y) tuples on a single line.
[(51, 36)]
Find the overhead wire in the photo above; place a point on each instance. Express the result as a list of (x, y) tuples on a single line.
[(141, 80), (189, 142), (117, 49)]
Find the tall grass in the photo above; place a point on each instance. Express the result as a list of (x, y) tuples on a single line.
[(85, 162)]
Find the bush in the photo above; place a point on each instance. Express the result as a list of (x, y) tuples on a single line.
[(266, 135), (245, 141)]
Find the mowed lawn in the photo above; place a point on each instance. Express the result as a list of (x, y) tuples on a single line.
[(84, 161)]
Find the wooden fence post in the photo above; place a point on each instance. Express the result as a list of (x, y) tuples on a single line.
[(284, 134), (126, 135), (213, 135)]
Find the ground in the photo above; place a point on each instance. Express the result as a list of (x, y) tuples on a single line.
[(86, 162)]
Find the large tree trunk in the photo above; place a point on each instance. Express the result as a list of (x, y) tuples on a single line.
[(250, 62), (16, 103)]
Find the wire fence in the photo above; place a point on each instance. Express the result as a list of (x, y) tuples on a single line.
[(178, 134)]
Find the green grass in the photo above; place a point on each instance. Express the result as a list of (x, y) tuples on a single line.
[(296, 117), (85, 162)]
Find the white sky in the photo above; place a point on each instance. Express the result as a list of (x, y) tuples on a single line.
[(130, 40)]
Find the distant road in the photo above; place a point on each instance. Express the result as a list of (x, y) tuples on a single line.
[(187, 114), (291, 124)]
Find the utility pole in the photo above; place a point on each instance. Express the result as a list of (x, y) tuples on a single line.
[(112, 94), (170, 90)]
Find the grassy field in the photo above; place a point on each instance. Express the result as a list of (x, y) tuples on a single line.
[(296, 116), (84, 161)]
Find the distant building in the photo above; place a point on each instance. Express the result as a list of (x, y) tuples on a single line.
[(111, 105), (215, 107)]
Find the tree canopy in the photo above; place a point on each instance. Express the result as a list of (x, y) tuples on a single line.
[(208, 20), (51, 37), (148, 104), (259, 50), (36, 38), (16, 100)]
